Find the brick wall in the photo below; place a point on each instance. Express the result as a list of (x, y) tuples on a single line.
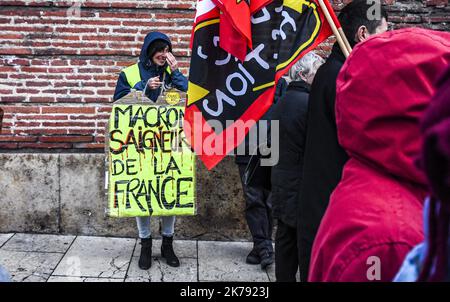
[(59, 65)]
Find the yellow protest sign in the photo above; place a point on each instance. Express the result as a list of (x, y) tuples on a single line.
[(151, 167)]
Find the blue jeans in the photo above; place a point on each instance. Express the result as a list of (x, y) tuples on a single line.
[(143, 224)]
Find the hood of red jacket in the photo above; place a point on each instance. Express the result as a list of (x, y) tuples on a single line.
[(381, 93)]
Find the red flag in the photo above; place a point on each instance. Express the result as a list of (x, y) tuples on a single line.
[(232, 40), (235, 25), (225, 95)]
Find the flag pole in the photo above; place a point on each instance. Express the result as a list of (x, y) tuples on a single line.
[(335, 30), (344, 38)]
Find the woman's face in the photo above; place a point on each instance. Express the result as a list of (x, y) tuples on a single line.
[(159, 58)]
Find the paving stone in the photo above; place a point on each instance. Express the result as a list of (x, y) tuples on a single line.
[(29, 266), (4, 238), (39, 243), (225, 261), (103, 257), (81, 279)]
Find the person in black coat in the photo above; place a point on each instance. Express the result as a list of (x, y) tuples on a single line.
[(290, 111), (258, 206), (324, 158)]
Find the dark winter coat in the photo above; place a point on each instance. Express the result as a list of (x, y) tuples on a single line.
[(324, 158), (291, 112)]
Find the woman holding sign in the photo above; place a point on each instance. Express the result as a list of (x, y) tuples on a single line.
[(156, 70)]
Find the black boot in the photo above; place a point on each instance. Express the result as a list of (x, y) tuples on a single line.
[(253, 257), (145, 259), (266, 257), (168, 253)]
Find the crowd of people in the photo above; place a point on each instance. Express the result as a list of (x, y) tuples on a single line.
[(347, 192), (363, 143)]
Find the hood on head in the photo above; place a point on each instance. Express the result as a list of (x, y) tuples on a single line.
[(382, 91), (149, 39)]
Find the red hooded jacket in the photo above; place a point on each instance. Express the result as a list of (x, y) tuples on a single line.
[(375, 213)]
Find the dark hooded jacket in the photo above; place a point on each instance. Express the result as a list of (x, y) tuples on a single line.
[(149, 70)]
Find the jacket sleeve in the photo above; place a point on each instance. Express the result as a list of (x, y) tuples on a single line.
[(179, 81), (122, 87)]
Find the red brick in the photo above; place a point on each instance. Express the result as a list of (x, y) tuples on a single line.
[(7, 69), (15, 51), (79, 77), (79, 110), (50, 76), (81, 91), (17, 138), (5, 20), (12, 99), (65, 139), (27, 124), (60, 70), (68, 99), (68, 124), (44, 99), (98, 100), (22, 76), (104, 109), (76, 62), (27, 91), (37, 84), (21, 109), (94, 84), (45, 145), (90, 70), (55, 91), (8, 145), (33, 69), (22, 62), (81, 131), (108, 38), (105, 92), (48, 131), (11, 36), (66, 84)]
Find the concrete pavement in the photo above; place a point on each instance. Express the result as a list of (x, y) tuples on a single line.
[(61, 258)]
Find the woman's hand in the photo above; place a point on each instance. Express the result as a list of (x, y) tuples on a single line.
[(173, 63), (154, 83)]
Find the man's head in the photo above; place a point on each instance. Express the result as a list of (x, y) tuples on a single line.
[(157, 52), (361, 19)]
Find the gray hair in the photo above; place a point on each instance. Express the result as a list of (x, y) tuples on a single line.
[(306, 66)]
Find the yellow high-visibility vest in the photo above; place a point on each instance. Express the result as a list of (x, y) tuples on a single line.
[(133, 76)]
